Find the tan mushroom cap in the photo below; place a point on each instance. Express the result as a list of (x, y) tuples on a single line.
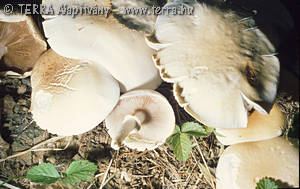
[(70, 97), (21, 43), (260, 127), (143, 119), (218, 62), (242, 165), (122, 51)]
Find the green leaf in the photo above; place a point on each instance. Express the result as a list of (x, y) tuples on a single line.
[(209, 129), (81, 170), (193, 128), (218, 134), (181, 145), (266, 183), (44, 174), (175, 131)]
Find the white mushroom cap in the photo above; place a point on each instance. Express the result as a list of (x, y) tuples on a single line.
[(123, 52), (70, 97), (218, 62), (260, 127), (143, 119), (21, 43), (242, 165)]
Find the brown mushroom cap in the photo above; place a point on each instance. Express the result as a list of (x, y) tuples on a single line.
[(70, 97), (260, 127), (243, 165), (143, 119), (21, 43), (218, 62)]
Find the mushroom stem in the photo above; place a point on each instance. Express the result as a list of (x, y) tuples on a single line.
[(3, 50), (131, 124)]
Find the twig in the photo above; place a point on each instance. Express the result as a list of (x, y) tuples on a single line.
[(109, 179), (34, 148), (204, 161), (106, 173), (96, 176), (8, 185), (188, 178)]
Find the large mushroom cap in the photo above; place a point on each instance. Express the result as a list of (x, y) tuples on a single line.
[(123, 52), (70, 97), (157, 122), (218, 61), (260, 127), (241, 166), (21, 44)]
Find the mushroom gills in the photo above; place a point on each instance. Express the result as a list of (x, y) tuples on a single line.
[(220, 75)]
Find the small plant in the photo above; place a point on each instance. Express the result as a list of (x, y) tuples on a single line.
[(266, 183), (46, 173), (180, 139)]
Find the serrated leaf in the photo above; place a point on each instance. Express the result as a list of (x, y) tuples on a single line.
[(194, 129), (175, 131), (181, 145), (266, 183), (81, 170), (44, 174)]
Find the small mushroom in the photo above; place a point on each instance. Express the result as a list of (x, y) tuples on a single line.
[(143, 119), (243, 165), (221, 64), (260, 127), (70, 97), (122, 51), (21, 43)]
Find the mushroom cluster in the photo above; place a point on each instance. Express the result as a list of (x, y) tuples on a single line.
[(74, 82), (77, 83), (223, 70)]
